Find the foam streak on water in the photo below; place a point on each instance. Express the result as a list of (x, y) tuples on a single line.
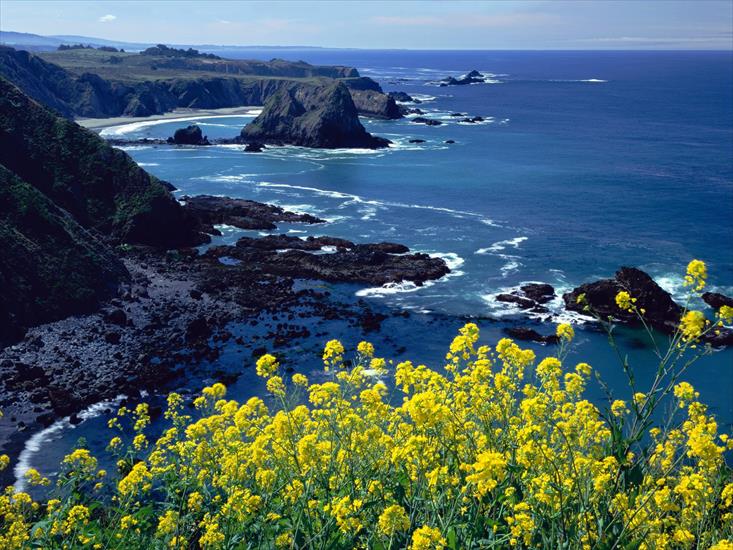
[(53, 432)]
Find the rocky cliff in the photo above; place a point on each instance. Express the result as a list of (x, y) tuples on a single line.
[(65, 197), (311, 116), (98, 88), (50, 266), (101, 187)]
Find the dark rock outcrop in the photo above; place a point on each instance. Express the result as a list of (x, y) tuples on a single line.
[(254, 147), (530, 335), (190, 135), (539, 292), (375, 104), (661, 311), (474, 77), (314, 116), (427, 121), (373, 264), (530, 297), (716, 300), (245, 214), (403, 97)]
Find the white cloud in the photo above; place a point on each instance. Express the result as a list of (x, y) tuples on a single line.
[(107, 18)]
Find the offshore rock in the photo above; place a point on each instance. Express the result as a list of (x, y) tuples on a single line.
[(716, 300), (474, 77), (312, 116), (190, 135), (245, 214), (662, 312), (373, 264), (427, 121)]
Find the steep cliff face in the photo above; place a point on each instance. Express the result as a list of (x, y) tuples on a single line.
[(87, 94), (50, 266), (311, 116), (101, 187)]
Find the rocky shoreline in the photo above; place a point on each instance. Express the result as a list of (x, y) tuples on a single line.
[(173, 310)]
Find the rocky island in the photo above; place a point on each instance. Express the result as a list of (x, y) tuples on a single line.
[(311, 116)]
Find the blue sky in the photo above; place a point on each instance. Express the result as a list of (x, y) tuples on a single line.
[(619, 24)]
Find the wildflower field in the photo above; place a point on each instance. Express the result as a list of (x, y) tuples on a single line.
[(496, 448)]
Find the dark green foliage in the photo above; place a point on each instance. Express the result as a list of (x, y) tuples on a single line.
[(50, 266), (101, 187)]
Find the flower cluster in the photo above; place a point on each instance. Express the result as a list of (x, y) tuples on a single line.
[(494, 450)]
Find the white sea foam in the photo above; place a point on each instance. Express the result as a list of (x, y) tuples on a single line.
[(390, 288), (134, 126), (361, 200), (54, 431), (556, 307), (148, 164), (501, 245), (596, 80), (452, 260), (424, 98)]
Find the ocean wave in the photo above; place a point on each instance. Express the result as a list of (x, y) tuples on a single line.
[(34, 444), (424, 98), (452, 260), (501, 245), (556, 307), (362, 200)]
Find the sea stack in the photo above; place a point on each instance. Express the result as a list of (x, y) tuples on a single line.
[(311, 116)]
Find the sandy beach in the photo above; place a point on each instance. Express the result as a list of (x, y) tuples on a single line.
[(101, 123)]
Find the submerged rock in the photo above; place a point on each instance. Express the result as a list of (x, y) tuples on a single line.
[(312, 116)]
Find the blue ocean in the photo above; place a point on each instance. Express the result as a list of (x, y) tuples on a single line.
[(585, 162)]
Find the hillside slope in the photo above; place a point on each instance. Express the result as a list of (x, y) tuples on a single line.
[(101, 187)]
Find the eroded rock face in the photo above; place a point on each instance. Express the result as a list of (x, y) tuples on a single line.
[(311, 116)]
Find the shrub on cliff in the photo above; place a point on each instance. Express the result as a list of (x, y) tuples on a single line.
[(489, 452)]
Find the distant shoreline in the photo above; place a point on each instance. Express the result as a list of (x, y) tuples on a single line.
[(98, 124)]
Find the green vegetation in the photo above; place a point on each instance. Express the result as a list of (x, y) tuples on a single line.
[(490, 451), (40, 242)]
